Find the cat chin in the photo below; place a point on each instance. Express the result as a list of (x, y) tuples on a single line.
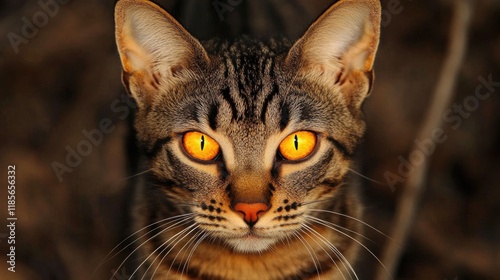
[(251, 244)]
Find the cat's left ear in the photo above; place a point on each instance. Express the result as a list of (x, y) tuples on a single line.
[(339, 48), (155, 50)]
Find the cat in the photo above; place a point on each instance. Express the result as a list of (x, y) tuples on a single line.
[(247, 146)]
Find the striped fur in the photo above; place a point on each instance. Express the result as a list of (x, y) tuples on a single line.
[(248, 95)]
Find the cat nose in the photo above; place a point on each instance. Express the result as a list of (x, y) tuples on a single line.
[(251, 211)]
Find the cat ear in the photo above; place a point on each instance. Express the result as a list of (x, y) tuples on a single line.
[(339, 48), (155, 50)]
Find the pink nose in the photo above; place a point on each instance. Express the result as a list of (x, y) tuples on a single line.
[(251, 211)]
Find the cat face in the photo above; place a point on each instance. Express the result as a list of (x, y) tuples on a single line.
[(248, 136)]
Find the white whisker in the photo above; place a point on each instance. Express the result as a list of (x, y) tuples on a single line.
[(327, 224), (188, 244), (355, 219), (174, 237), (177, 242), (336, 251), (348, 230), (309, 229), (108, 257), (138, 174), (176, 224), (306, 245), (188, 260), (366, 177)]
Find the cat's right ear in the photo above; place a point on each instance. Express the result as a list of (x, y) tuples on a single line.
[(338, 50), (155, 50)]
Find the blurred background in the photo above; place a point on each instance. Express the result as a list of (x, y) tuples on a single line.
[(60, 79)]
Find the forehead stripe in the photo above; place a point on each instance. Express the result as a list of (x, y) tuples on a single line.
[(266, 102), (285, 116), (226, 95), (212, 116)]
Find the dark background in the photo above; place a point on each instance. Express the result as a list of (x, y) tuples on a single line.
[(65, 78)]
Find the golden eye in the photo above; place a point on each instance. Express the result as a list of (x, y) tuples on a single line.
[(298, 145), (200, 146)]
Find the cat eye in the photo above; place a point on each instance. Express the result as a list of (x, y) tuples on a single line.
[(298, 145), (200, 146)]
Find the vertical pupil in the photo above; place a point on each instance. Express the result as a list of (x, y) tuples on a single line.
[(202, 142), (296, 142)]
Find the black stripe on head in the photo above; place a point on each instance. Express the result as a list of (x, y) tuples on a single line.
[(285, 116), (212, 116), (157, 147), (192, 112), (226, 94), (266, 102), (341, 147), (249, 82)]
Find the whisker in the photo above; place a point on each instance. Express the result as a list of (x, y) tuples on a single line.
[(366, 177), (107, 257), (188, 244), (286, 239), (188, 260), (309, 230), (174, 237), (304, 242), (177, 224), (138, 174), (355, 219), (177, 242), (336, 251), (346, 229), (326, 224)]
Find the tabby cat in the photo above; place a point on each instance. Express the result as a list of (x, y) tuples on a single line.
[(247, 144)]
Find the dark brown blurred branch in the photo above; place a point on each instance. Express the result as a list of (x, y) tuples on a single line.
[(415, 183)]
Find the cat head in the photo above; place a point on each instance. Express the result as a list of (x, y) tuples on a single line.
[(248, 136)]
